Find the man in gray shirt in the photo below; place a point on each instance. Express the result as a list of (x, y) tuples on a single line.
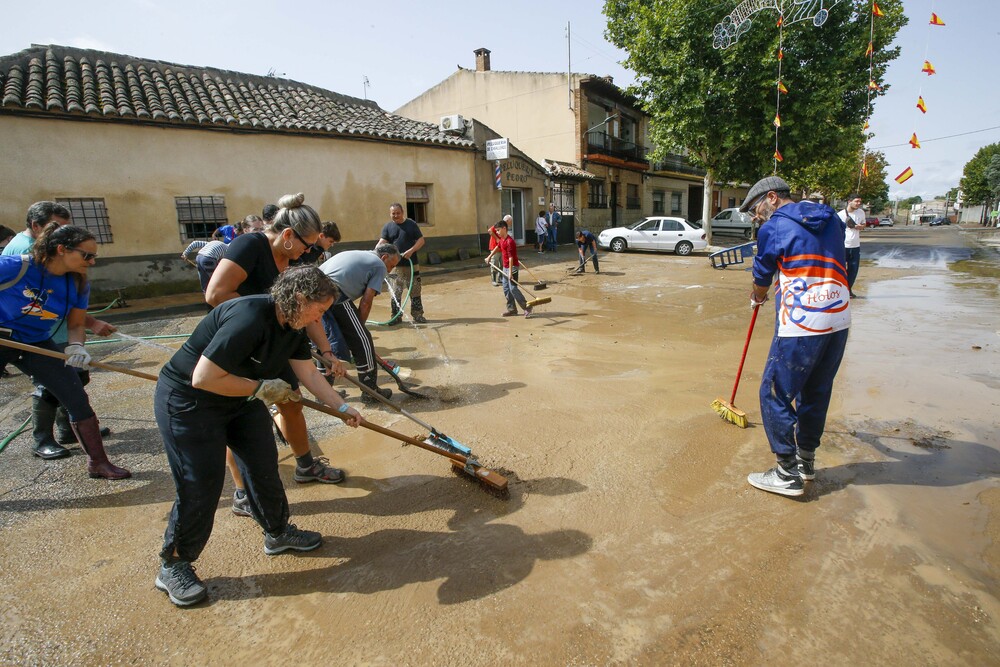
[(359, 275)]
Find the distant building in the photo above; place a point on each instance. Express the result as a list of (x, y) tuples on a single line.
[(150, 155)]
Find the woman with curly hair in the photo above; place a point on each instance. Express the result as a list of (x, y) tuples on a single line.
[(205, 400), (41, 292)]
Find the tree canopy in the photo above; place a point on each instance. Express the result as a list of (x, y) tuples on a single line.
[(718, 104), (975, 180)]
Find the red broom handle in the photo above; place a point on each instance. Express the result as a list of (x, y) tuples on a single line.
[(746, 346)]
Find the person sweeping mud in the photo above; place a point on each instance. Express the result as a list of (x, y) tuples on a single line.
[(804, 244), (508, 253), (205, 399)]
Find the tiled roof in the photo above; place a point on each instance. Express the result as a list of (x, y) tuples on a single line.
[(67, 82), (568, 171)]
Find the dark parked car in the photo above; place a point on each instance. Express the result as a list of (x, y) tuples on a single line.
[(938, 221)]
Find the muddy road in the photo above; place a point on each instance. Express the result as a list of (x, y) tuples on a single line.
[(630, 535)]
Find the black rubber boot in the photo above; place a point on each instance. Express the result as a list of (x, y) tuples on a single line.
[(64, 432), (370, 380), (43, 416)]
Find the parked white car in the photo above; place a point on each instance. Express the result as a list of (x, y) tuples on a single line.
[(731, 221), (659, 233)]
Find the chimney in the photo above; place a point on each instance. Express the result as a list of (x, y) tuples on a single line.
[(482, 60)]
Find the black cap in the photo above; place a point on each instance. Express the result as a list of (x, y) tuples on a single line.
[(761, 188)]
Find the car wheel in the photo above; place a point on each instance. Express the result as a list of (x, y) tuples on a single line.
[(748, 234), (683, 248), (618, 245)]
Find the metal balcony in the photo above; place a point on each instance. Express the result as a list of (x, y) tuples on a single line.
[(605, 144)]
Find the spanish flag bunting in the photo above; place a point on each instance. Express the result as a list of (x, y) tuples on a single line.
[(904, 176), (777, 155), (781, 54), (935, 20), (866, 125), (777, 120), (864, 169), (781, 21), (782, 88), (914, 141), (868, 53), (928, 68), (876, 10), (874, 86), (921, 105)]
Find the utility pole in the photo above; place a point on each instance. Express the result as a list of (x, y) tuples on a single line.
[(569, 69)]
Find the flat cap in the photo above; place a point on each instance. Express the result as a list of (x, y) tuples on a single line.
[(761, 188)]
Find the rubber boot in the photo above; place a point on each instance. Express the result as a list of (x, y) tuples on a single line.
[(369, 380), (88, 432), (393, 319), (43, 416), (64, 432)]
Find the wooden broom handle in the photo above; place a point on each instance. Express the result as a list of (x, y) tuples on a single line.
[(24, 347)]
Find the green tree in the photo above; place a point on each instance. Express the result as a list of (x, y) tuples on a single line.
[(974, 183), (717, 105)]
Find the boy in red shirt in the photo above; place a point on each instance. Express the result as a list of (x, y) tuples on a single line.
[(508, 252)]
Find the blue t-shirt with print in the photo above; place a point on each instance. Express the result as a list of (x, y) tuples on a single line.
[(35, 304)]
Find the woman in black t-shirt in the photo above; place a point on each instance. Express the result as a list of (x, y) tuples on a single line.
[(205, 399), (252, 263)]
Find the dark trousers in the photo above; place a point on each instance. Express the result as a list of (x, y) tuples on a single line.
[(195, 434), (583, 262), (206, 267), (853, 264), (61, 381), (359, 340), (46, 395), (795, 390)]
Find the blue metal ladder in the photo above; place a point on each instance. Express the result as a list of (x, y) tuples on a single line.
[(735, 255)]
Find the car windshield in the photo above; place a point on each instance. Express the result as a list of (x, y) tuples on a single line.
[(696, 225)]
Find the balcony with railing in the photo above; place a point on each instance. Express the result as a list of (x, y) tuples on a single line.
[(677, 164), (603, 143)]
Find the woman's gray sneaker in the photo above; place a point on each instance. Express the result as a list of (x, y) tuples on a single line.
[(178, 580), (292, 539)]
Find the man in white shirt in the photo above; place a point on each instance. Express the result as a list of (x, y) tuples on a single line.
[(854, 217)]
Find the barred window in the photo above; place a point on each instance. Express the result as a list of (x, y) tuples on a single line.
[(198, 217), (564, 197), (91, 214)]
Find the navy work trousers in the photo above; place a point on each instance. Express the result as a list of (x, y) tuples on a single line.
[(795, 389), (195, 434)]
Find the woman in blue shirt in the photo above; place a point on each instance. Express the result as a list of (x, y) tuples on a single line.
[(37, 293)]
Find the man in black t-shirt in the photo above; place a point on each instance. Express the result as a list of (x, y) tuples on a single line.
[(404, 233)]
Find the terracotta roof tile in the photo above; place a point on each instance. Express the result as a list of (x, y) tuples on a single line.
[(66, 82)]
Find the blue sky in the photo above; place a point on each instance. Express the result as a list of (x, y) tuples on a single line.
[(405, 47)]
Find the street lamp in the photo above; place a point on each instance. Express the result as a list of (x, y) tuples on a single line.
[(614, 114)]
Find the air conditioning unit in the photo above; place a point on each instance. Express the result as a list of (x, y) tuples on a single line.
[(453, 123)]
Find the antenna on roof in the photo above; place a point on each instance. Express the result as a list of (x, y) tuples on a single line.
[(365, 85), (272, 73)]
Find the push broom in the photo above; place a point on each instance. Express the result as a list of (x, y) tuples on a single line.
[(539, 284), (490, 480), (534, 302), (728, 411)]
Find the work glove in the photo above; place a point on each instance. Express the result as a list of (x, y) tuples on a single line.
[(754, 303), (276, 390), (78, 356)]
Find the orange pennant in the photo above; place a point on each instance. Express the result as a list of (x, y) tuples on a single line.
[(777, 156), (935, 20), (781, 54), (928, 68), (777, 120), (864, 169), (904, 176), (782, 88), (921, 105), (868, 53), (874, 86), (914, 141), (876, 10), (866, 125)]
